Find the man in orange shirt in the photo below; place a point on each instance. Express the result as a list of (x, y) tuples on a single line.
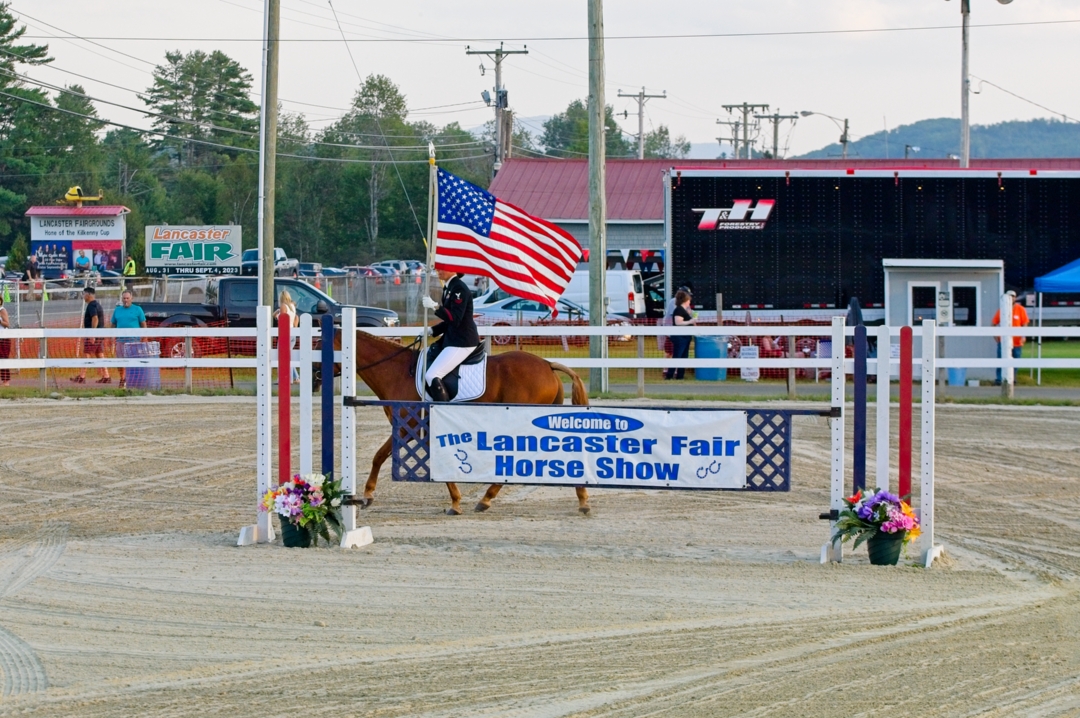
[(1019, 319)]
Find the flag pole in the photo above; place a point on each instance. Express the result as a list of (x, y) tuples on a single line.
[(433, 207)]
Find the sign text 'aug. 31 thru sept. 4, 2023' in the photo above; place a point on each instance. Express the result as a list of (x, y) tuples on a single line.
[(595, 446)]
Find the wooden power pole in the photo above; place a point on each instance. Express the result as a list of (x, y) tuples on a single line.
[(268, 150), (597, 195)]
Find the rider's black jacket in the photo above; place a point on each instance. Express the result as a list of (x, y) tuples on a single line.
[(458, 328)]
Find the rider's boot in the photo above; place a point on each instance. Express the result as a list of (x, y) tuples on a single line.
[(437, 390)]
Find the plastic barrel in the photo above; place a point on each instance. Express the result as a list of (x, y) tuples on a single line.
[(708, 347), (143, 377), (957, 377)]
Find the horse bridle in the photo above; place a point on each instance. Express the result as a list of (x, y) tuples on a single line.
[(388, 357)]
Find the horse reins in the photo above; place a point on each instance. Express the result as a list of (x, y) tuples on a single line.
[(388, 357)]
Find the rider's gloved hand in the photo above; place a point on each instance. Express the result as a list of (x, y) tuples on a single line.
[(428, 332), (430, 303)]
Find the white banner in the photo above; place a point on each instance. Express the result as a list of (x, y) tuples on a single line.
[(193, 250), (44, 228), (594, 446)]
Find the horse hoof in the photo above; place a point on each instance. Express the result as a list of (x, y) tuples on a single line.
[(584, 510), (453, 512), (480, 508), (367, 501)]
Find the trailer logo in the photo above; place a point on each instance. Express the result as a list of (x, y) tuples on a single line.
[(735, 217)]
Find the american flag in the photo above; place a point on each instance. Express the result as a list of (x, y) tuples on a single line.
[(479, 234)]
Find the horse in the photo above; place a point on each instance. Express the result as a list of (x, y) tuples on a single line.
[(515, 377)]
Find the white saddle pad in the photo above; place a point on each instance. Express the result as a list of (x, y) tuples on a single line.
[(472, 380)]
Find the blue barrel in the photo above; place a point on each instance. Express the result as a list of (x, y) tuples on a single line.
[(143, 377), (710, 347), (957, 377)]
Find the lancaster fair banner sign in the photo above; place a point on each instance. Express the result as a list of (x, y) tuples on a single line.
[(193, 250), (593, 446)]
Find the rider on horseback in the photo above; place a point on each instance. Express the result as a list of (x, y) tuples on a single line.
[(457, 329)]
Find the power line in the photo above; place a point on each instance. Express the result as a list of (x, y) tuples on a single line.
[(1030, 102), (231, 148), (575, 38)]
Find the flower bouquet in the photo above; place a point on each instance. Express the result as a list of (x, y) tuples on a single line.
[(308, 507), (885, 522)]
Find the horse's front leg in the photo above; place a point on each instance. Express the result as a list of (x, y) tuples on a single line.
[(373, 478), (582, 499), (485, 503), (455, 500)]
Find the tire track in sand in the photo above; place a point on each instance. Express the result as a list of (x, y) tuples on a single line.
[(22, 668)]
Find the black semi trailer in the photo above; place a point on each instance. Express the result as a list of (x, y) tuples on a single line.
[(811, 239)]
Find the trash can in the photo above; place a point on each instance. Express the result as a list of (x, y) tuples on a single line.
[(957, 377), (141, 377), (710, 347)]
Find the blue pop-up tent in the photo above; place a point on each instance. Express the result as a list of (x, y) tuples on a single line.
[(1061, 280)]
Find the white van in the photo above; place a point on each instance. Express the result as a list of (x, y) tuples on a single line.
[(625, 291)]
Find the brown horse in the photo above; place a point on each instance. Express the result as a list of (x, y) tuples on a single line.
[(516, 377)]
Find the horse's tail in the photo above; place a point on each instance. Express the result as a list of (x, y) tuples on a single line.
[(578, 396)]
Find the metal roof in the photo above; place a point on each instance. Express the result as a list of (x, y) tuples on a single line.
[(558, 189), (59, 210)]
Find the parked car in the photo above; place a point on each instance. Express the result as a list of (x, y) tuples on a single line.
[(416, 266), (283, 266), (654, 297), (310, 269), (515, 311), (400, 265), (388, 274), (362, 270), (335, 272)]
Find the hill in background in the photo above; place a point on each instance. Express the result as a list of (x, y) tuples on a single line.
[(940, 137)]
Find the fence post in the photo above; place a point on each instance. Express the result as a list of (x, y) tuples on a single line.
[(926, 488), (352, 535), (884, 374), (306, 395), (263, 530), (641, 370), (834, 550), (284, 349), (903, 459), (43, 345), (791, 369), (858, 449), (327, 369), (187, 366)]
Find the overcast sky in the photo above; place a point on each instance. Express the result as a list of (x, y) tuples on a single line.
[(873, 78)]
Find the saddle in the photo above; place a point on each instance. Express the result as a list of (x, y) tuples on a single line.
[(468, 380)]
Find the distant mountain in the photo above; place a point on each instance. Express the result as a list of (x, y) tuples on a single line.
[(940, 138)]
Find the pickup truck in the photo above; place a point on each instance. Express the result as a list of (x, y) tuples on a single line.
[(235, 306), (283, 266)]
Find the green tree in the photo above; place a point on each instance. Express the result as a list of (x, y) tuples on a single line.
[(658, 143), (20, 250), (567, 133), (204, 97)]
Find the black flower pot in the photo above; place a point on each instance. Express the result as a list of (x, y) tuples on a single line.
[(293, 536), (884, 549)]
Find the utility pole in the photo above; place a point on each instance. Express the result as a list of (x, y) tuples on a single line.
[(776, 118), (734, 125), (498, 55), (965, 88), (642, 98), (598, 345), (844, 140), (747, 110), (268, 150)]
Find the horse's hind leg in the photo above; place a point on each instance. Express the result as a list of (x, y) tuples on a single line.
[(373, 478), (582, 499), (485, 503)]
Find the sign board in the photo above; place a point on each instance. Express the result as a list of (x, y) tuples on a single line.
[(193, 250), (44, 228), (79, 255), (590, 446), (749, 373), (944, 308)]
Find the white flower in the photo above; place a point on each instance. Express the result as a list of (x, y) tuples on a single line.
[(335, 503), (314, 479)]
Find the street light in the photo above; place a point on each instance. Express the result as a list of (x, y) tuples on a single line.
[(965, 84), (836, 121)]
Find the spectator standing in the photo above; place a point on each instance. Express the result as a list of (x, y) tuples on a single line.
[(1019, 319), (127, 316), (287, 308), (33, 276), (669, 311), (129, 267), (680, 343), (93, 318), (5, 344)]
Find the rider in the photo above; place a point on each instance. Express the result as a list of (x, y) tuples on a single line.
[(457, 328)]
